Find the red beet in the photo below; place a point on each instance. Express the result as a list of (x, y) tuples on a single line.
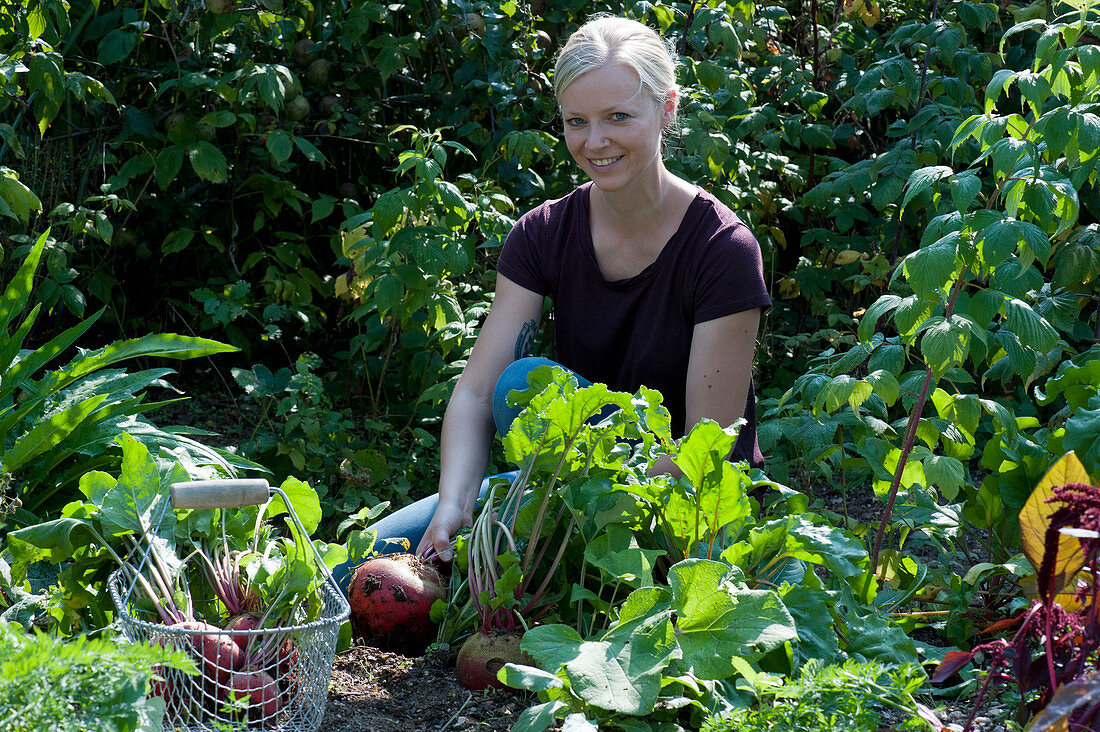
[(258, 693), (168, 684), (244, 621), (172, 688), (218, 655), (483, 654), (391, 600)]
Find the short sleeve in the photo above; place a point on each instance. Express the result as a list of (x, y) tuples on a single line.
[(521, 256), (730, 277)]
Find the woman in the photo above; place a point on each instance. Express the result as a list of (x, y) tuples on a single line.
[(654, 281)]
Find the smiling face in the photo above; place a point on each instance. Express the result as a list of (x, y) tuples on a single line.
[(613, 128)]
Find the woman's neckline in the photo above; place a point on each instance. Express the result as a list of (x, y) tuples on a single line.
[(671, 244)]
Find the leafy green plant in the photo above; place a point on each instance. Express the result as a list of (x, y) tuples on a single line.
[(80, 683), (649, 637), (59, 422), (828, 697), (115, 521)]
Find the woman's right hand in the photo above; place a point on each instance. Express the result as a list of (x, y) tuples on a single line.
[(468, 426), (449, 518)]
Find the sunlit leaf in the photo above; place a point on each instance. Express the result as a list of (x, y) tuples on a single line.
[(1035, 520)]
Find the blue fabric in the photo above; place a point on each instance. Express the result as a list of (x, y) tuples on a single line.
[(515, 377), (412, 521)]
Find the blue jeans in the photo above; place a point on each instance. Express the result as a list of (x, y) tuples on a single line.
[(410, 523)]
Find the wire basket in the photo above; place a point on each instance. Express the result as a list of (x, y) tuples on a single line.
[(296, 659)]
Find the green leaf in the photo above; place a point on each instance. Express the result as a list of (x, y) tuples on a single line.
[(169, 162), (306, 503), (922, 179), (129, 506), (177, 241), (310, 150), (874, 638), (1030, 327), (933, 268), (117, 45), (387, 211), (965, 187), (1035, 89), (885, 386), (1083, 435), (59, 539), (625, 680), (648, 606), (704, 449), (884, 304), (219, 118), (280, 146), (843, 554), (48, 433), (946, 473), (20, 201), (945, 345), (552, 646), (615, 551), (811, 609), (208, 162), (997, 241), (163, 345), (47, 78), (528, 678), (1000, 79), (538, 717), (19, 288), (716, 621)]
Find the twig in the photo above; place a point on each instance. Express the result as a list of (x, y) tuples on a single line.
[(907, 445), (445, 725)]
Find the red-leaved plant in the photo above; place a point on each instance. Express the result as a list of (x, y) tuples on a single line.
[(1052, 657)]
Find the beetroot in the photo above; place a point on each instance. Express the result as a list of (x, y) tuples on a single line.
[(244, 621), (391, 600), (257, 693), (218, 655), (483, 654), (173, 688)]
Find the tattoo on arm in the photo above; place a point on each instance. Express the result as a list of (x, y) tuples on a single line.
[(526, 340)]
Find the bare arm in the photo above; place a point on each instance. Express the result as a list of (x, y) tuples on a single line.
[(507, 334), (719, 372)]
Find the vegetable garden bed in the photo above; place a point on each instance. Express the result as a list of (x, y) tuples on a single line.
[(382, 691)]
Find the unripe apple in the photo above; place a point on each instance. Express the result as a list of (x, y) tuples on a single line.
[(318, 72), (297, 108), (475, 23), (174, 124), (303, 52), (330, 102), (221, 7)]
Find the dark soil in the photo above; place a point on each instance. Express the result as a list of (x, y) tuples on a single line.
[(387, 692)]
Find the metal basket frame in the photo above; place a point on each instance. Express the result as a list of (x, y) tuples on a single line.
[(299, 660)]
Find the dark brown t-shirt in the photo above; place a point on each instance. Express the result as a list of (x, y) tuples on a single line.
[(626, 333)]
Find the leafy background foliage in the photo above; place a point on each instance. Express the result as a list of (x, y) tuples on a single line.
[(324, 186)]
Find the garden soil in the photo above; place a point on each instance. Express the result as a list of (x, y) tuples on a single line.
[(376, 691)]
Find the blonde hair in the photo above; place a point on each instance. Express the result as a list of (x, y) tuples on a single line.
[(607, 39)]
